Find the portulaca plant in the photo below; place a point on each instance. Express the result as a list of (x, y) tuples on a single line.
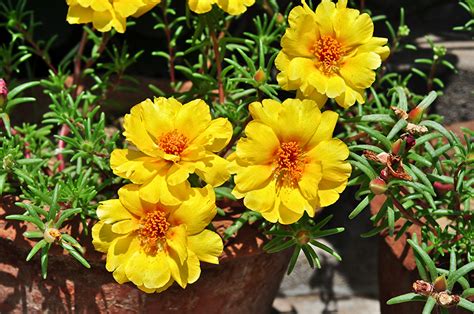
[(280, 118)]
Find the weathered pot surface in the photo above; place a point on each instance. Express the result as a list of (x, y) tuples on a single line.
[(246, 280)]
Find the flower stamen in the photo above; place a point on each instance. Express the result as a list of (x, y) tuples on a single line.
[(290, 163), (173, 143), (152, 231), (328, 52)]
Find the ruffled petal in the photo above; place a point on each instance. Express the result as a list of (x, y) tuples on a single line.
[(176, 239), (196, 212), (207, 246), (213, 169), (135, 166)]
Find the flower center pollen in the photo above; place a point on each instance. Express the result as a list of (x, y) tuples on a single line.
[(328, 52), (290, 163), (173, 143), (152, 231)]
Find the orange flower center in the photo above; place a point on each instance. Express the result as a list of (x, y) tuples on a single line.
[(328, 52), (173, 142), (290, 163), (152, 231)]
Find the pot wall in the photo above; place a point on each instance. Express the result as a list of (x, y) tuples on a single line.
[(246, 281)]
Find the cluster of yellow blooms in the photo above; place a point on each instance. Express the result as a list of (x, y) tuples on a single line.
[(287, 164), (108, 14)]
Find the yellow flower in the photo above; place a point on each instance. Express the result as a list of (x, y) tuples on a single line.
[(329, 53), (107, 14), (233, 7), (154, 245), (171, 141), (289, 163)]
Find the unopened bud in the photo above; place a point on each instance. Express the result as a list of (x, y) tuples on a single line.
[(439, 50), (422, 287), (384, 174), (415, 115), (303, 237), (447, 300), (280, 18), (260, 76), (440, 284), (443, 187), (51, 235), (378, 186), (397, 146), (3, 93), (403, 31)]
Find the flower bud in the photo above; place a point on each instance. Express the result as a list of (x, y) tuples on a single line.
[(378, 186), (403, 31), (260, 76), (398, 146), (3, 93), (422, 287), (303, 237), (440, 284), (51, 235), (280, 18), (443, 187), (415, 115)]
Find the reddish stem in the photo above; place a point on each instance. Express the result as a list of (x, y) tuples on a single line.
[(77, 63), (37, 50), (217, 56), (168, 40), (410, 217)]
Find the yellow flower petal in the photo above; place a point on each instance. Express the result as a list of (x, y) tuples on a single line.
[(194, 268), (102, 236), (235, 7), (309, 182), (111, 211), (177, 240), (130, 198), (124, 226), (350, 96), (261, 200), (207, 246), (253, 177), (353, 28), (137, 134), (79, 15), (358, 71), (120, 249), (213, 169), (201, 6), (259, 146), (179, 271), (325, 12), (216, 136), (329, 191), (302, 116), (197, 212), (193, 118), (134, 165), (325, 130), (295, 203), (158, 191)]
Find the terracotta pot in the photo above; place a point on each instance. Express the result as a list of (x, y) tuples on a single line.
[(397, 269), (246, 281)]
